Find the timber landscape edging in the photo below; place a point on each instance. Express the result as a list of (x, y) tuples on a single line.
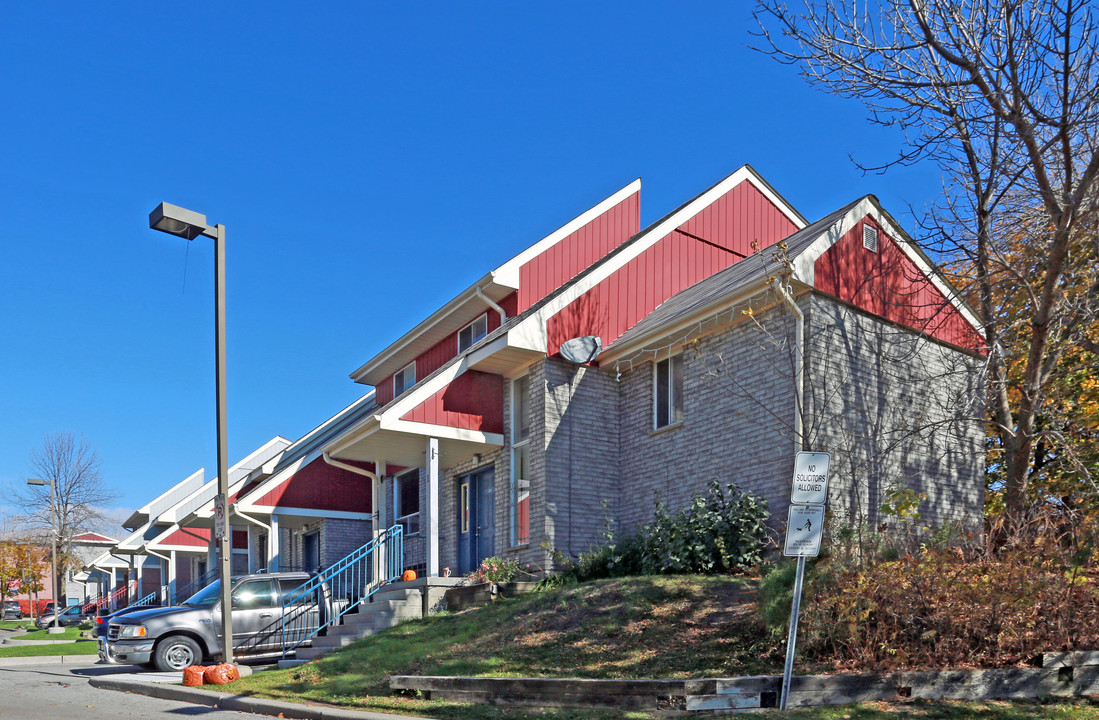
[(1058, 675)]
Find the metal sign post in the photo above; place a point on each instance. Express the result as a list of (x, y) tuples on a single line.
[(804, 530)]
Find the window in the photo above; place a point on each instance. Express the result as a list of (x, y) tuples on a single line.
[(406, 501), (668, 392), (404, 378), (254, 594), (473, 332), (520, 461), (870, 238)]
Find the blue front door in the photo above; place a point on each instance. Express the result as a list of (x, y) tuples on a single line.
[(476, 519)]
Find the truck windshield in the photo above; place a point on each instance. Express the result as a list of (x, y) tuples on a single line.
[(206, 597)]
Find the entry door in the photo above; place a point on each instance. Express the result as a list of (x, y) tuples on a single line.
[(476, 519)]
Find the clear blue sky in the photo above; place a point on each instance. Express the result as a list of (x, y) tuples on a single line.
[(369, 161)]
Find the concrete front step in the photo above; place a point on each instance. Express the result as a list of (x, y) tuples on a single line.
[(330, 642)]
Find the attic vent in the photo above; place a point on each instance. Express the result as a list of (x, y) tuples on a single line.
[(870, 238)]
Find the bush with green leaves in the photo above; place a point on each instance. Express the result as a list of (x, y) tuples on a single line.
[(722, 531)]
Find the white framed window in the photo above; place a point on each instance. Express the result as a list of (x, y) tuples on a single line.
[(520, 461), (406, 501), (404, 378), (473, 332), (870, 238), (668, 392)]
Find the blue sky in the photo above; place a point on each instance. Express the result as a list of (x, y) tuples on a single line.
[(369, 161)]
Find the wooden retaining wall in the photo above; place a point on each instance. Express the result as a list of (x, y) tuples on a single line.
[(1057, 675)]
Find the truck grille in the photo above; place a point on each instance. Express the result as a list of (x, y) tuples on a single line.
[(112, 631)]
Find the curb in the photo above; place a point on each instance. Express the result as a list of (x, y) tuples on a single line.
[(241, 703), (48, 660)]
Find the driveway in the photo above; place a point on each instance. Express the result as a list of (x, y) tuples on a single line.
[(61, 692)]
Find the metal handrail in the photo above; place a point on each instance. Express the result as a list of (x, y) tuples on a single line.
[(147, 600), (344, 585), (195, 585)]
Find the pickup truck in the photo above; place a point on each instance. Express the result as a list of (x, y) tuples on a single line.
[(172, 638)]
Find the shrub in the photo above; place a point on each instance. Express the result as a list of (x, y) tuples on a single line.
[(722, 531), (499, 570)]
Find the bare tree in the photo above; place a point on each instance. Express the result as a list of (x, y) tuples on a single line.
[(1004, 96), (73, 467)]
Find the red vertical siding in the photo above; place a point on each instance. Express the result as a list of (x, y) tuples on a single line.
[(320, 486), (545, 273), (674, 263), (888, 284), (187, 538), (474, 401)]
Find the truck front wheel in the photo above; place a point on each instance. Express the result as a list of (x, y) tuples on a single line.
[(176, 652)]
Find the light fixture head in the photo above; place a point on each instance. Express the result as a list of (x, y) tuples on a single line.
[(36, 481), (174, 220)]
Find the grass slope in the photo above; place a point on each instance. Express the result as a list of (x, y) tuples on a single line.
[(648, 627), (84, 647)]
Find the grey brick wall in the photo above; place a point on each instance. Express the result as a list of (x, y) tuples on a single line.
[(897, 410), (738, 412), (894, 409), (340, 537), (580, 468)]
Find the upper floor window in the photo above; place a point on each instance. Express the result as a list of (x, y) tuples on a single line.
[(406, 501), (668, 392), (473, 332), (404, 378)]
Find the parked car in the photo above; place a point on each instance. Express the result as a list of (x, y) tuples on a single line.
[(103, 621), (12, 610), (72, 615), (173, 638)]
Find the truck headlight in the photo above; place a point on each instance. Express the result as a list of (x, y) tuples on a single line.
[(132, 631)]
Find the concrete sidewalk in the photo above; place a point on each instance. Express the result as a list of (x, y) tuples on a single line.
[(240, 703)]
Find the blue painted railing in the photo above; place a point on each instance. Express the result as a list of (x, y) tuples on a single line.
[(147, 600), (340, 588)]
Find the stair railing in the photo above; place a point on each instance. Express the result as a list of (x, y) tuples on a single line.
[(320, 602), (194, 586), (147, 600)]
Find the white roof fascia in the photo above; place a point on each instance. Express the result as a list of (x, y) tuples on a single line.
[(508, 273), (312, 512), (745, 174), (804, 263), (507, 276), (181, 509)]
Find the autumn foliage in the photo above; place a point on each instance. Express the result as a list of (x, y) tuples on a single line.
[(945, 607)]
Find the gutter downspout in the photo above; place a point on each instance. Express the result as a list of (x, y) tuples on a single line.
[(154, 553), (799, 362), (488, 301), (233, 509), (376, 490)]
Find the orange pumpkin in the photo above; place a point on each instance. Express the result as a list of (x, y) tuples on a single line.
[(408, 575)]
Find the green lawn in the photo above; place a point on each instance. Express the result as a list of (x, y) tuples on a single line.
[(14, 624), (71, 633), (84, 647)]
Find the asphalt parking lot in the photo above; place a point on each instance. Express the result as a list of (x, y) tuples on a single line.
[(62, 691)]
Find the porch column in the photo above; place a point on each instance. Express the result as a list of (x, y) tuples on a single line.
[(132, 579), (432, 507), (140, 579), (211, 552), (114, 584), (377, 522), (273, 545), (172, 573)]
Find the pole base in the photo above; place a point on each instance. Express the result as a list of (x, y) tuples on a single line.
[(55, 630)]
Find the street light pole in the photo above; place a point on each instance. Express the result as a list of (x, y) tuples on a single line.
[(53, 550), (188, 224)]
